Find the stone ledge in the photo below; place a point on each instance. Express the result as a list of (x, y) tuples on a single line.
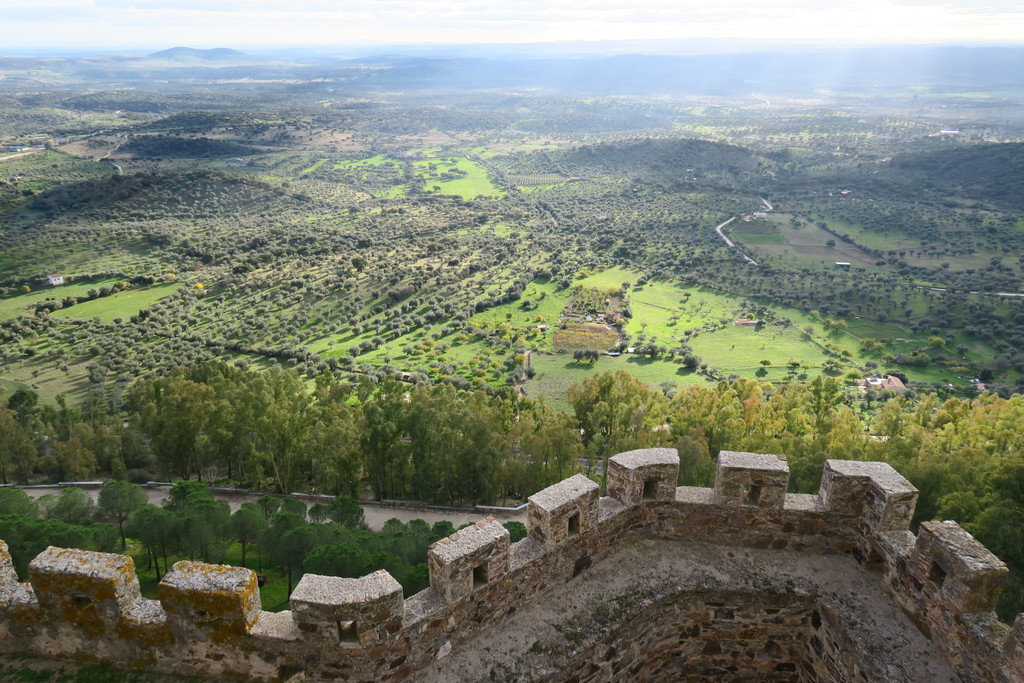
[(468, 540), (566, 492), (646, 456)]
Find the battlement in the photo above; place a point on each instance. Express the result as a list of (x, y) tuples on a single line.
[(208, 621), (469, 559)]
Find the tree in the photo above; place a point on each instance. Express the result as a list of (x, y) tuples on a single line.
[(273, 407), (173, 412), (73, 506), (119, 500), (335, 438), (156, 529), (382, 429), (346, 512), (204, 525), (268, 505), (248, 524), (17, 502), (76, 462), (617, 412), (17, 448)]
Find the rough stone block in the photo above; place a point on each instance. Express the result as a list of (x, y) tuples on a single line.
[(751, 479), (349, 612), (563, 511), (469, 559), (645, 475), (873, 490), (968, 577), (1013, 648), (8, 577), (92, 591), (217, 600)]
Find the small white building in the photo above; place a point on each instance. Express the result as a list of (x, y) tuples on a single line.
[(56, 279)]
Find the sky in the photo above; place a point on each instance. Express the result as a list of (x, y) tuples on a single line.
[(158, 24)]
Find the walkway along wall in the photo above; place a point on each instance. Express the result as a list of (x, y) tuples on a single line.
[(208, 622)]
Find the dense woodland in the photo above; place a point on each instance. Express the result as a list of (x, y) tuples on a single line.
[(379, 280)]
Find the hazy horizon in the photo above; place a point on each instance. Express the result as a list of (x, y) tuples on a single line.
[(52, 27), (593, 48)]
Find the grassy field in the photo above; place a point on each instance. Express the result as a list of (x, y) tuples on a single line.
[(740, 350), (556, 372), (805, 244), (474, 183), (121, 305), (24, 304)]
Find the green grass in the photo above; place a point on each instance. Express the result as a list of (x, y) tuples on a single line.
[(609, 279), (371, 161), (758, 237), (316, 165), (740, 350), (8, 387), (556, 372), (121, 305), (475, 183), (19, 304)]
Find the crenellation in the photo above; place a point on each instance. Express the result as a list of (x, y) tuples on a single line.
[(469, 559), (216, 601), (91, 591), (803, 502), (647, 475), (967, 577), (872, 490), (344, 612), (423, 605), (523, 552), (695, 495), (8, 577), (563, 511), (208, 620), (751, 479)]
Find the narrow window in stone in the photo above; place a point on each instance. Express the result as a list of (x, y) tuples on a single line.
[(347, 634), (937, 574), (479, 576), (82, 601), (753, 495), (650, 490), (574, 525), (287, 671)]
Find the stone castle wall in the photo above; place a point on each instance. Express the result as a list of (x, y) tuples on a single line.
[(208, 622)]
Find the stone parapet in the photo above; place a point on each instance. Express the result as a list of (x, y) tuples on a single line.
[(469, 559), (217, 601), (92, 591), (961, 572), (563, 511), (348, 612), (871, 490), (648, 475), (751, 480), (208, 621)]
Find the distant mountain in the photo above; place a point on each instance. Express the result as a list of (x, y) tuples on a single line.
[(191, 54)]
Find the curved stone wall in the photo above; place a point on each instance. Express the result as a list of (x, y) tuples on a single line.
[(208, 622)]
